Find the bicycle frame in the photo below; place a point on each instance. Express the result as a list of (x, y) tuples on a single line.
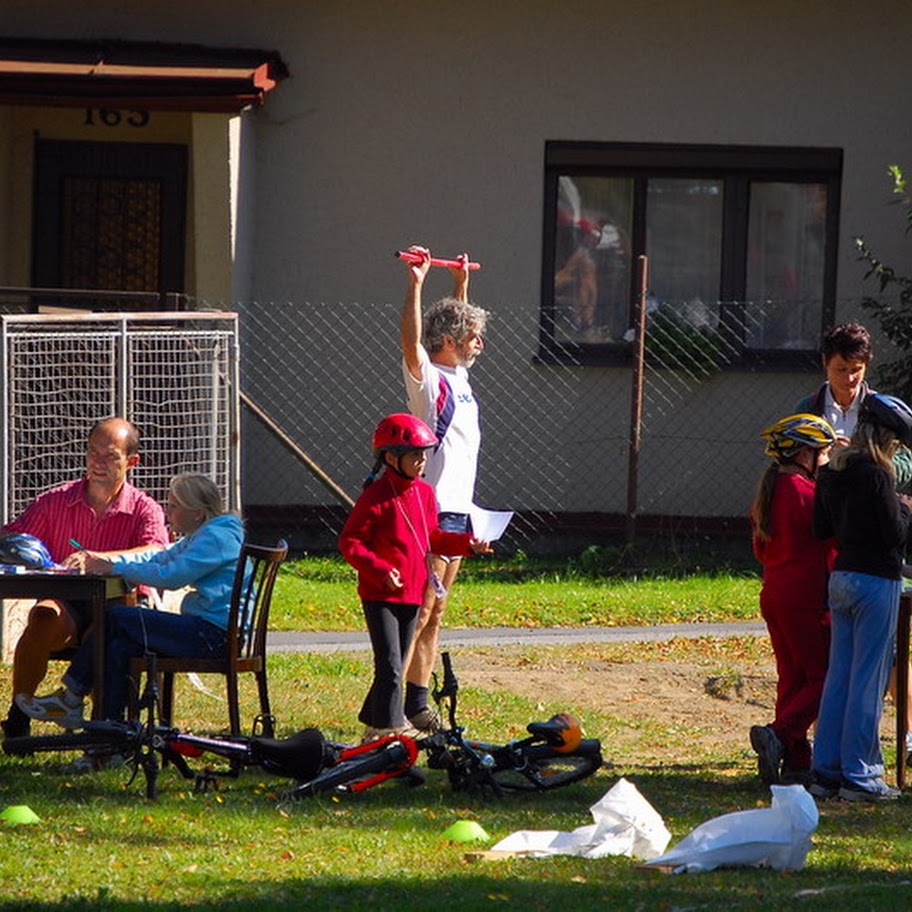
[(530, 763)]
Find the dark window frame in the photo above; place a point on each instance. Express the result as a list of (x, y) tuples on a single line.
[(737, 166)]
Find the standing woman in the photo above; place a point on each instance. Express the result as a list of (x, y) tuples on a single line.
[(856, 502), (793, 600)]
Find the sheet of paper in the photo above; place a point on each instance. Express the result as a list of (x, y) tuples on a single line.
[(489, 525)]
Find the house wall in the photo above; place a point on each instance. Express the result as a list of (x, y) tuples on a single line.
[(19, 128), (401, 124)]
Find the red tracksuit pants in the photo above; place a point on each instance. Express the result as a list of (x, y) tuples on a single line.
[(800, 637)]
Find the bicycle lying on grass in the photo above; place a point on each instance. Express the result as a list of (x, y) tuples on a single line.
[(554, 753)]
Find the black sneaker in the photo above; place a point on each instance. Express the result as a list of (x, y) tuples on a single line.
[(796, 777), (17, 724), (769, 752), (823, 789)]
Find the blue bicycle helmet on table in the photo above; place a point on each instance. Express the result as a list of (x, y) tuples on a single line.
[(23, 550)]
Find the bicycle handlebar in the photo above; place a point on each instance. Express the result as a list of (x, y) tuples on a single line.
[(450, 684)]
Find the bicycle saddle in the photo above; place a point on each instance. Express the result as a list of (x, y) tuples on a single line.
[(561, 731), (300, 756)]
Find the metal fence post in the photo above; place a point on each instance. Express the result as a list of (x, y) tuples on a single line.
[(636, 396)]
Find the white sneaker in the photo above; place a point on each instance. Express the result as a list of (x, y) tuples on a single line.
[(427, 720), (375, 734), (53, 708), (878, 791)]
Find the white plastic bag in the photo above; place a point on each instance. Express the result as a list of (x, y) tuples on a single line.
[(625, 824), (778, 837)]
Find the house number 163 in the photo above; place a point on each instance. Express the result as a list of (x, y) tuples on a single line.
[(112, 117)]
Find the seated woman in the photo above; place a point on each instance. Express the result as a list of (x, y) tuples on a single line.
[(204, 558)]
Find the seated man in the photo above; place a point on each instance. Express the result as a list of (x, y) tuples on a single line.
[(100, 512)]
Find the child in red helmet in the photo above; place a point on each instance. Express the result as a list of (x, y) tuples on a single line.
[(387, 538)]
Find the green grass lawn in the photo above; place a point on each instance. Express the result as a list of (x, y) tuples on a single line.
[(101, 845), (320, 594)]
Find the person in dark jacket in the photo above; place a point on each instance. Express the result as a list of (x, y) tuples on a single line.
[(856, 502), (847, 352)]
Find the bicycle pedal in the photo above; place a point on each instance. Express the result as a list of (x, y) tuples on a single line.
[(204, 782), (414, 777)]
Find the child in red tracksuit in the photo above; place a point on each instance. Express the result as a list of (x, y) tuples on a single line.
[(387, 538), (793, 600)]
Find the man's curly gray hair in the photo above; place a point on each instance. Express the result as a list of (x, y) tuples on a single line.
[(451, 317)]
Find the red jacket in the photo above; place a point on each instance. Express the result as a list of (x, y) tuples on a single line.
[(796, 564), (393, 525)]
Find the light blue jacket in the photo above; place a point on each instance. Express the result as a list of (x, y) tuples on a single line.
[(205, 561)]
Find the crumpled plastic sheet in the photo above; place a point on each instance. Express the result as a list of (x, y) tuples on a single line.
[(777, 837), (625, 824)]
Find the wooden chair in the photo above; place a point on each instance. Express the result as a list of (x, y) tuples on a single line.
[(246, 652)]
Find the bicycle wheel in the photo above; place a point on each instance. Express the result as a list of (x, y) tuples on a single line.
[(109, 740), (538, 767), (391, 758)]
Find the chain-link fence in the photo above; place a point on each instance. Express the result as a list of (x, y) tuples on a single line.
[(556, 433), (175, 376)]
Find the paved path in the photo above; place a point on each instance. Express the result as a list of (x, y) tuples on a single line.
[(297, 641)]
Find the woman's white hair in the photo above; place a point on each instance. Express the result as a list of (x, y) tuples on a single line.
[(197, 492)]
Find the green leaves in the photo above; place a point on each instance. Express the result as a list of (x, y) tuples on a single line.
[(895, 314)]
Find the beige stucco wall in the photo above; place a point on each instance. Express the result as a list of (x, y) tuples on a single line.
[(394, 126), (398, 126)]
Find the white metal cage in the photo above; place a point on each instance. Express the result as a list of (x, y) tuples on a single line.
[(174, 375)]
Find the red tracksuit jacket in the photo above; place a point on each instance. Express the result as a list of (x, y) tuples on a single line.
[(394, 525)]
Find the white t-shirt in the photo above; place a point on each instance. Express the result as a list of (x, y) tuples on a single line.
[(843, 421), (444, 401)]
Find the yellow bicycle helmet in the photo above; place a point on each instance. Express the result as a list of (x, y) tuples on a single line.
[(790, 434)]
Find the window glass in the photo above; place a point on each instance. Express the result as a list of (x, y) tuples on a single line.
[(741, 239), (785, 263), (684, 239), (592, 258)]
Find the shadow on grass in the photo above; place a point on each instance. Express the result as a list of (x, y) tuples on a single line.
[(549, 884), (860, 862)]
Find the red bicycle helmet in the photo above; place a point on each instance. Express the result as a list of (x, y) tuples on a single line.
[(402, 432)]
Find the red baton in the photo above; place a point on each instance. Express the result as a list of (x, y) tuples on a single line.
[(417, 258)]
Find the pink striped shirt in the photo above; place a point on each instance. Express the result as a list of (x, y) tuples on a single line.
[(132, 520)]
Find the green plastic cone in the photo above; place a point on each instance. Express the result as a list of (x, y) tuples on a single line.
[(466, 831), (17, 814)]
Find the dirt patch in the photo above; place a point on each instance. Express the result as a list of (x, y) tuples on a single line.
[(684, 702)]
